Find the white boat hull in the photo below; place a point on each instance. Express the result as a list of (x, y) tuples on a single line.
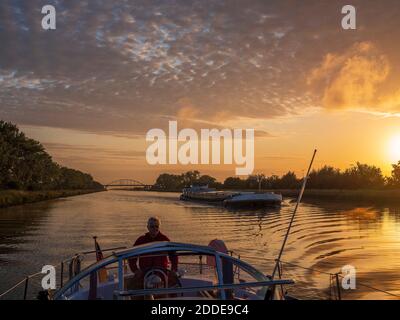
[(254, 199)]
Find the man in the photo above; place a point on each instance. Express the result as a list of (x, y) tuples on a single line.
[(148, 263)]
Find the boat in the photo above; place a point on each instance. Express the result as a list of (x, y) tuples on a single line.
[(230, 198), (204, 273), (249, 199), (204, 193)]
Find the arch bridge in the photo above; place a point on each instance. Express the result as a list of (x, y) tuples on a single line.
[(128, 183)]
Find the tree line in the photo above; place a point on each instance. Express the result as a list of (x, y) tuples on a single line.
[(25, 165), (358, 176)]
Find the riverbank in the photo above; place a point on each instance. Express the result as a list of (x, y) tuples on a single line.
[(9, 198)]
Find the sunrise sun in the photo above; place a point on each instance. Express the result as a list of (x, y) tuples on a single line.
[(394, 149)]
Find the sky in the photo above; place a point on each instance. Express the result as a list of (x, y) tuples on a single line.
[(112, 70)]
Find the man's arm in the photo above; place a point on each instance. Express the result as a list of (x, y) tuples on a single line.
[(173, 258)]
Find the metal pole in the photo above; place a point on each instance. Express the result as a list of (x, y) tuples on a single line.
[(62, 274), (338, 286), (26, 287), (293, 215)]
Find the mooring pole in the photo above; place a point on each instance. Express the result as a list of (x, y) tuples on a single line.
[(62, 274), (293, 215), (26, 287), (339, 294)]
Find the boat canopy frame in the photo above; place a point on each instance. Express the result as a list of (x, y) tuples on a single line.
[(166, 247)]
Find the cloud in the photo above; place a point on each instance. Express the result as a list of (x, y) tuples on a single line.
[(280, 158), (94, 151), (125, 67), (358, 78), (9, 79)]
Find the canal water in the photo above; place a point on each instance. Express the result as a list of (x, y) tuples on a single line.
[(325, 237)]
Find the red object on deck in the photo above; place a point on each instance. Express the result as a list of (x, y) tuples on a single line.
[(219, 246)]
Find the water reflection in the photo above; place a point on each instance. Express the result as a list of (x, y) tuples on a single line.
[(17, 224), (325, 235)]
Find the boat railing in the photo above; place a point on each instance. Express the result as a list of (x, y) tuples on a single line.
[(335, 292), (24, 282), (166, 291), (67, 262), (73, 265), (334, 278), (79, 257)]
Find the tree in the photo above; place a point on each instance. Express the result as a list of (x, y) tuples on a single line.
[(207, 180), (272, 182), (190, 178), (289, 181), (170, 181), (394, 179), (234, 183), (255, 181), (326, 178), (24, 164), (362, 176)]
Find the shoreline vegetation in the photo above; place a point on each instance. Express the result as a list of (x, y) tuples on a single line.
[(29, 174), (10, 198), (361, 182)]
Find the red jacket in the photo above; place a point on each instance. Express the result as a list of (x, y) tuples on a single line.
[(152, 262)]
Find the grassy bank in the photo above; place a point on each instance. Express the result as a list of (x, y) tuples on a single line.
[(10, 198)]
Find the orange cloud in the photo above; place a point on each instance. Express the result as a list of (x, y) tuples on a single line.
[(355, 79), (187, 110)]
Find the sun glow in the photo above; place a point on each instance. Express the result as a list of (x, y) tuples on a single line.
[(394, 149)]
